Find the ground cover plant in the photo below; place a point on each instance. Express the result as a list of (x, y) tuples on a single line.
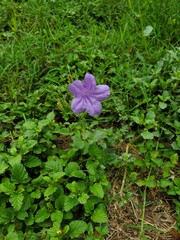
[(76, 176)]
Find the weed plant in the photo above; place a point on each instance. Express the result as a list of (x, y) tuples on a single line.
[(53, 163)]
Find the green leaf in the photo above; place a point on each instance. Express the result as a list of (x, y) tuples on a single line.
[(147, 135), (69, 203), (147, 31), (99, 216), (36, 194), (19, 173), (6, 186), (14, 160), (32, 161), (50, 116), (3, 166), (83, 198), (49, 191), (11, 235), (22, 215), (165, 183), (63, 131), (76, 228), (30, 219), (97, 190), (72, 166), (5, 215), (41, 215), (78, 174), (162, 105), (57, 216), (16, 200), (78, 142)]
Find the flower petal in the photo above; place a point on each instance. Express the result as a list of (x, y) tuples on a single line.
[(78, 105), (76, 88), (101, 92), (89, 82), (93, 107)]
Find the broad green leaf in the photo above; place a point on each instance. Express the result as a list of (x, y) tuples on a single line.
[(165, 183), (16, 200), (147, 135), (3, 166), (83, 198), (99, 216), (32, 161), (30, 219), (98, 134), (49, 191), (36, 194), (76, 228), (57, 176), (5, 215), (78, 174), (14, 160), (91, 202), (63, 131), (50, 116), (41, 215), (6, 186), (19, 173), (162, 105), (57, 216), (147, 31), (69, 203), (97, 190), (22, 215), (72, 166), (11, 235), (92, 167), (78, 142)]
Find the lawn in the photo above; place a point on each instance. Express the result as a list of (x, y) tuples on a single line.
[(73, 174)]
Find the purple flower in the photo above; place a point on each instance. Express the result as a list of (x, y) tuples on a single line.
[(88, 95)]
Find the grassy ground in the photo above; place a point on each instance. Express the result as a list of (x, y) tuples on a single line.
[(132, 46)]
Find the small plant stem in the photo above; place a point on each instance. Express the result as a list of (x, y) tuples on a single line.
[(125, 172)]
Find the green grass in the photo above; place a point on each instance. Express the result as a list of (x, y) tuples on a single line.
[(45, 44)]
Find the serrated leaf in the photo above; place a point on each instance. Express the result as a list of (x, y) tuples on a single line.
[(97, 190), (147, 31), (5, 215), (16, 200), (83, 198), (99, 216), (41, 215), (36, 194), (3, 166), (14, 160), (147, 135), (69, 203), (49, 191), (7, 187), (19, 173), (76, 228)]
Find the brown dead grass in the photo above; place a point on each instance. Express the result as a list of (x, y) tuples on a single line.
[(125, 221)]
